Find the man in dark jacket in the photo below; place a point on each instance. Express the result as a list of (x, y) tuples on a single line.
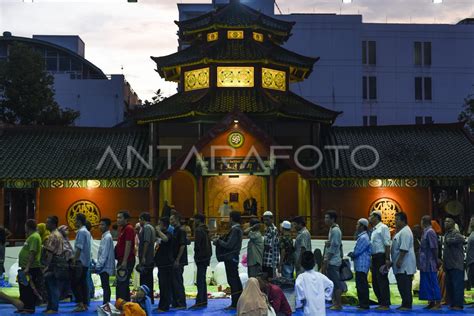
[(164, 262), (453, 263), (202, 257), (180, 256), (228, 251)]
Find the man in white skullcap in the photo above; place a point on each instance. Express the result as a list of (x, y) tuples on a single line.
[(362, 257), (381, 242), (271, 246), (287, 251)]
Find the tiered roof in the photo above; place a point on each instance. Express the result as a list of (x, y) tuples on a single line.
[(234, 15), (218, 102), (238, 37), (243, 51)]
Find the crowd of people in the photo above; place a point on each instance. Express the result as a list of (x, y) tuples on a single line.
[(52, 269), (441, 260)]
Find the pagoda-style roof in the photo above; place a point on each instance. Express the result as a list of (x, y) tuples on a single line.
[(405, 151), (41, 152), (216, 102), (234, 15), (243, 51)]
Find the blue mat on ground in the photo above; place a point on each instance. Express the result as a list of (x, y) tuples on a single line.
[(215, 308)]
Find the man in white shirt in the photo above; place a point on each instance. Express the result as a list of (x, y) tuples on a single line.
[(380, 241), (312, 288), (404, 260), (105, 258)]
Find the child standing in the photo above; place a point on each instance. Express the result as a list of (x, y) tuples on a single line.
[(312, 288)]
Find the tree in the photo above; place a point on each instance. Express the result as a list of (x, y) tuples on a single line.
[(157, 98), (467, 115), (28, 97)]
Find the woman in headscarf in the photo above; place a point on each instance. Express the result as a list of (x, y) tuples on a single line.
[(252, 302), (43, 232), (41, 286), (68, 250)]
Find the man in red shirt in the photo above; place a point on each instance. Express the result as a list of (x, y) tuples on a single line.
[(125, 255), (275, 295)]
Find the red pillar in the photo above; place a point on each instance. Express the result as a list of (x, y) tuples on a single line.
[(154, 193), (37, 204), (430, 201), (314, 196), (200, 195), (271, 193)]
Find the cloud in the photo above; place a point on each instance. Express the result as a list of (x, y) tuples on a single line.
[(119, 34)]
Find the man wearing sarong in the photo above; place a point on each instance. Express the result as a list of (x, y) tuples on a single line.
[(428, 265)]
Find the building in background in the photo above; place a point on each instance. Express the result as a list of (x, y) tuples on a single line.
[(102, 100), (377, 74)]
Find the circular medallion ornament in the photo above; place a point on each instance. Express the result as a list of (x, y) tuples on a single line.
[(389, 208), (235, 139), (88, 208)]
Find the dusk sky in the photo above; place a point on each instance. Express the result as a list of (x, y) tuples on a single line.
[(119, 34)]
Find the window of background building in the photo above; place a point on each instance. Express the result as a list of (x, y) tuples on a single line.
[(418, 88), (75, 65), (427, 86), (369, 53), (423, 88), (419, 120), (427, 53), (369, 120), (64, 62), (422, 53), (369, 88), (51, 60), (364, 88)]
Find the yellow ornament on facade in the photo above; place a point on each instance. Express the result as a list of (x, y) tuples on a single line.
[(258, 37), (196, 79), (235, 34), (214, 36), (235, 77), (273, 79)]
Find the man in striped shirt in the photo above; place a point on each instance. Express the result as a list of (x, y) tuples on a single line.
[(361, 257), (271, 246)]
